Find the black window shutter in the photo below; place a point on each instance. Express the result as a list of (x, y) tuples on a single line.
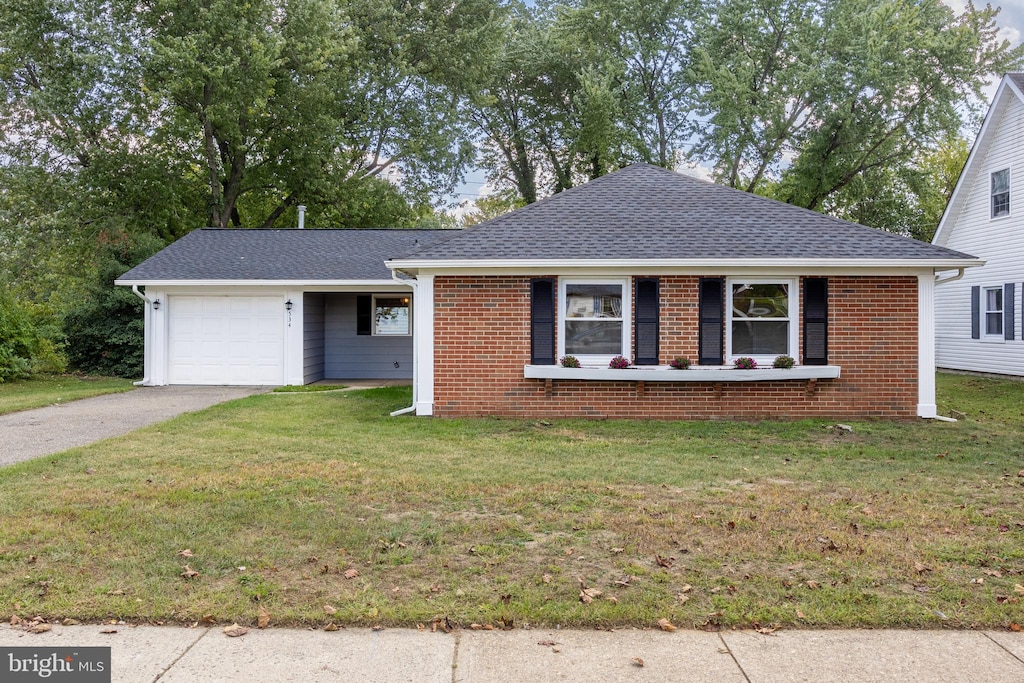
[(364, 314), (646, 326), (815, 321), (976, 312), (711, 333), (542, 321), (1008, 311)]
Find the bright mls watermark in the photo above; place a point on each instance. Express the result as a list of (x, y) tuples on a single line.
[(55, 664)]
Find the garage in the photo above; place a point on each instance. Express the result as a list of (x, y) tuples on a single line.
[(225, 340)]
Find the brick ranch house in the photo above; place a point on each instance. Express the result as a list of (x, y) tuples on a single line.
[(643, 263)]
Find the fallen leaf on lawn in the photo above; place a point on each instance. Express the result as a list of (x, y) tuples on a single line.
[(686, 589), (587, 595), (799, 614), (15, 620), (351, 573), (665, 562), (235, 630), (90, 470), (978, 581), (612, 599), (921, 568), (993, 572), (331, 627), (666, 625), (813, 585), (189, 573), (1017, 588), (637, 661), (263, 620), (768, 630), (546, 578), (40, 628), (1014, 626), (32, 559), (70, 622), (616, 551), (475, 627), (185, 553), (116, 591), (208, 619)]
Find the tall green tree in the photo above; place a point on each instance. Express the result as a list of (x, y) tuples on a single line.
[(815, 102)]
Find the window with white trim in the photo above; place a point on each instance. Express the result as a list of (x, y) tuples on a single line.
[(1001, 193), (391, 316), (992, 310), (595, 319), (762, 319)]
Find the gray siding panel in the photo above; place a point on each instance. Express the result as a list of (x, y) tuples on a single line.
[(312, 337), (351, 356)]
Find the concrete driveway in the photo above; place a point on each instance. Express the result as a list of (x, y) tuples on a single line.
[(33, 433)]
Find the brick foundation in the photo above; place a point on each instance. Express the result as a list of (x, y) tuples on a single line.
[(482, 342)]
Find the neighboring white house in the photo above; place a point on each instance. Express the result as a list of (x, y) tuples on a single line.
[(978, 322)]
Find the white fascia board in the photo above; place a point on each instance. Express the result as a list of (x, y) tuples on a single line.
[(977, 154), (304, 284), (802, 266)]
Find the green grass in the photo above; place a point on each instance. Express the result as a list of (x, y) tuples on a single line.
[(897, 524), (307, 388), (47, 390)]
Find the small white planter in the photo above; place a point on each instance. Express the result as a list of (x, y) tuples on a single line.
[(663, 373)]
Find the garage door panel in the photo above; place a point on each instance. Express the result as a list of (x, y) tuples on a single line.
[(225, 340)]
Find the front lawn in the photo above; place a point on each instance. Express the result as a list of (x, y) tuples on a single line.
[(318, 508), (45, 390)]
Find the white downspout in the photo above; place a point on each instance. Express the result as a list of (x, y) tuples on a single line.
[(951, 278), (415, 348), (146, 332)]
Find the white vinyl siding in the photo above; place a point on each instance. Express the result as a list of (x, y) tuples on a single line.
[(999, 242)]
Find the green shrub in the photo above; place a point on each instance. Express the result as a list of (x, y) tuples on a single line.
[(27, 345), (105, 333)]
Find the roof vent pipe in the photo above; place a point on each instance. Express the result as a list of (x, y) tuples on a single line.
[(302, 216)]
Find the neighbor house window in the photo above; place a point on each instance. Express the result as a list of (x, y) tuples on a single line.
[(595, 319), (762, 319), (992, 298), (1001, 193), (391, 316)]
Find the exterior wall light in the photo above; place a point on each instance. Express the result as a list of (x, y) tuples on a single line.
[(288, 305), (156, 304)]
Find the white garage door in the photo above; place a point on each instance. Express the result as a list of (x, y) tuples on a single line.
[(225, 340)]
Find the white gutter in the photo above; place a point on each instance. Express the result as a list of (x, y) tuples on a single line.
[(145, 333), (415, 352), (717, 263)]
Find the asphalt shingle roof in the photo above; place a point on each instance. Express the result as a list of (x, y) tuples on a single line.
[(235, 254), (647, 212)]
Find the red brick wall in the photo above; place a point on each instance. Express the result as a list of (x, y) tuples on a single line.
[(482, 342)]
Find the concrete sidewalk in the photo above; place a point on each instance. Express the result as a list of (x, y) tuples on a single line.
[(146, 654)]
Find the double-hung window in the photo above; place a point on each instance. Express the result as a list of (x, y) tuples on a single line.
[(992, 301), (762, 318), (1001, 193), (595, 315)]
